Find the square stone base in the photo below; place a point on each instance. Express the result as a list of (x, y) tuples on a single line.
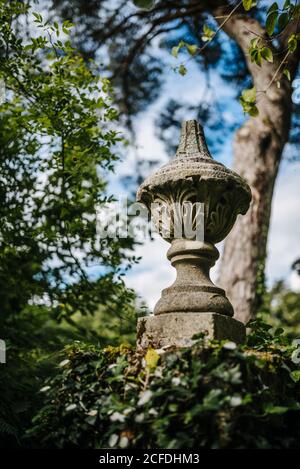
[(179, 328)]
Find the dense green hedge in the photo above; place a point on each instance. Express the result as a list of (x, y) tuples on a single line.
[(214, 396)]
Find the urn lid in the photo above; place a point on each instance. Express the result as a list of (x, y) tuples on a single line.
[(194, 164)]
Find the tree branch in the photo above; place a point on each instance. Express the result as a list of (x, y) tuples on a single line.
[(242, 28)]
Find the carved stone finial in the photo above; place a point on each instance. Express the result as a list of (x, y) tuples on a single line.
[(192, 141), (193, 301)]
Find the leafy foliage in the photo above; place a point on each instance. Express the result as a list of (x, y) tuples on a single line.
[(33, 340), (56, 152), (260, 48), (56, 149), (281, 309), (213, 396), (135, 41)]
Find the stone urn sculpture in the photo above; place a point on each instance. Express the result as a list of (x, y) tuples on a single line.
[(214, 196)]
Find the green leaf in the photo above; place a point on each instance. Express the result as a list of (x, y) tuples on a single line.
[(254, 52), (207, 30), (212, 400), (152, 358), (287, 73), (271, 22), (283, 21), (182, 70), (144, 4), (273, 7), (192, 48), (292, 43), (267, 54), (255, 41), (295, 375), (276, 409), (248, 4), (258, 59), (208, 33), (249, 96), (248, 101), (253, 112), (175, 51), (38, 17), (67, 24)]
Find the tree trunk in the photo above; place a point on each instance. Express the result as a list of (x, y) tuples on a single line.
[(258, 147)]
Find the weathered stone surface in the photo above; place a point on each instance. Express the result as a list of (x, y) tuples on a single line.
[(193, 175), (193, 290), (193, 303), (178, 329)]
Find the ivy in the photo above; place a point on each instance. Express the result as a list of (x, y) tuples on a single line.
[(212, 395)]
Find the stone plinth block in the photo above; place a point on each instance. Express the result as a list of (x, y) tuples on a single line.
[(179, 328)]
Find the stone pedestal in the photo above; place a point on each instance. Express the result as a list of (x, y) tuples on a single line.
[(193, 304), (193, 291), (178, 329)]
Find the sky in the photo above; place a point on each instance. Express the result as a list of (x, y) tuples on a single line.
[(154, 271)]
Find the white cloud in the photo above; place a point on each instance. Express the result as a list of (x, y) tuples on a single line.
[(294, 281), (284, 237), (148, 146), (153, 273)]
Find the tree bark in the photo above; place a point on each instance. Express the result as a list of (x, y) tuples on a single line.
[(257, 151)]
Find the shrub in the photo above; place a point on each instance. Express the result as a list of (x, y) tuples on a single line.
[(212, 395)]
